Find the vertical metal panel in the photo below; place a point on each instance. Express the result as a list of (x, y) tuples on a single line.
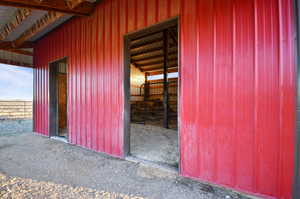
[(267, 96), (101, 78), (243, 78), (89, 89), (237, 94), (223, 87), (237, 86), (116, 119), (188, 131), (205, 81), (106, 75), (93, 79)]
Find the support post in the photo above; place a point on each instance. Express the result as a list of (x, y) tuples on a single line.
[(166, 94), (146, 87)]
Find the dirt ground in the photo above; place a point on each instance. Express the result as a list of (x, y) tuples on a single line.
[(12, 127), (154, 143), (33, 166)]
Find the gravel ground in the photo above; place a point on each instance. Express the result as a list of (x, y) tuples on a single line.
[(13, 127), (154, 143), (39, 167), (15, 187)]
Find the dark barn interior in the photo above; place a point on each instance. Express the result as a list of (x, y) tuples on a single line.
[(153, 96)]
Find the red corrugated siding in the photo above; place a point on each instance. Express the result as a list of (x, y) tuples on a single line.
[(237, 85)]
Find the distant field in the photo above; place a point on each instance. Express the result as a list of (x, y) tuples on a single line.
[(15, 109)]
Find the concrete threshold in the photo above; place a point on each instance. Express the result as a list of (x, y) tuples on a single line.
[(61, 139)]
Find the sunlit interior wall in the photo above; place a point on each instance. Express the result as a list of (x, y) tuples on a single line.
[(137, 79)]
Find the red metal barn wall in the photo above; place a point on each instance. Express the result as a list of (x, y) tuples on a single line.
[(238, 91)]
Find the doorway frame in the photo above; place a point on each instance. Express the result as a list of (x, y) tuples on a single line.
[(175, 21), (296, 184), (53, 101)]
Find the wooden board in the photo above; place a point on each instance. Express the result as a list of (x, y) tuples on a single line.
[(62, 100)]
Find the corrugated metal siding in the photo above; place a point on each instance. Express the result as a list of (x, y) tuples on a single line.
[(95, 66), (239, 58), (237, 85)]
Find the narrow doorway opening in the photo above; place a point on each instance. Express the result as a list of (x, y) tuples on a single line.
[(58, 85), (152, 94)]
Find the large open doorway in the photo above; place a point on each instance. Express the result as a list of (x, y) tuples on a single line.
[(58, 97), (151, 94)]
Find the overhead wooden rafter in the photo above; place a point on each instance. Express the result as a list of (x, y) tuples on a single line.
[(18, 51), (68, 7), (39, 26), (56, 9), (73, 3), (154, 62), (170, 70), (158, 68), (10, 45), (19, 17), (45, 21), (15, 63), (152, 55)]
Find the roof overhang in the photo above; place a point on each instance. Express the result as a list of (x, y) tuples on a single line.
[(22, 22)]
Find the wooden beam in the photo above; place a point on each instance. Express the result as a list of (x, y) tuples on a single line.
[(85, 8), (15, 63), (155, 62), (146, 48), (155, 55), (166, 87), (18, 51), (173, 36), (73, 3), (11, 45), (151, 50), (170, 70), (43, 23), (146, 88), (152, 55), (158, 67), (19, 17), (39, 26), (6, 44), (145, 42)]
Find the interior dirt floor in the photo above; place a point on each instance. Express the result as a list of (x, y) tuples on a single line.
[(34, 166), (154, 143)]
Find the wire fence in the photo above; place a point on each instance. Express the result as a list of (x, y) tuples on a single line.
[(15, 110)]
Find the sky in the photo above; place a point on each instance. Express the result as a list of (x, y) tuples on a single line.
[(16, 83)]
